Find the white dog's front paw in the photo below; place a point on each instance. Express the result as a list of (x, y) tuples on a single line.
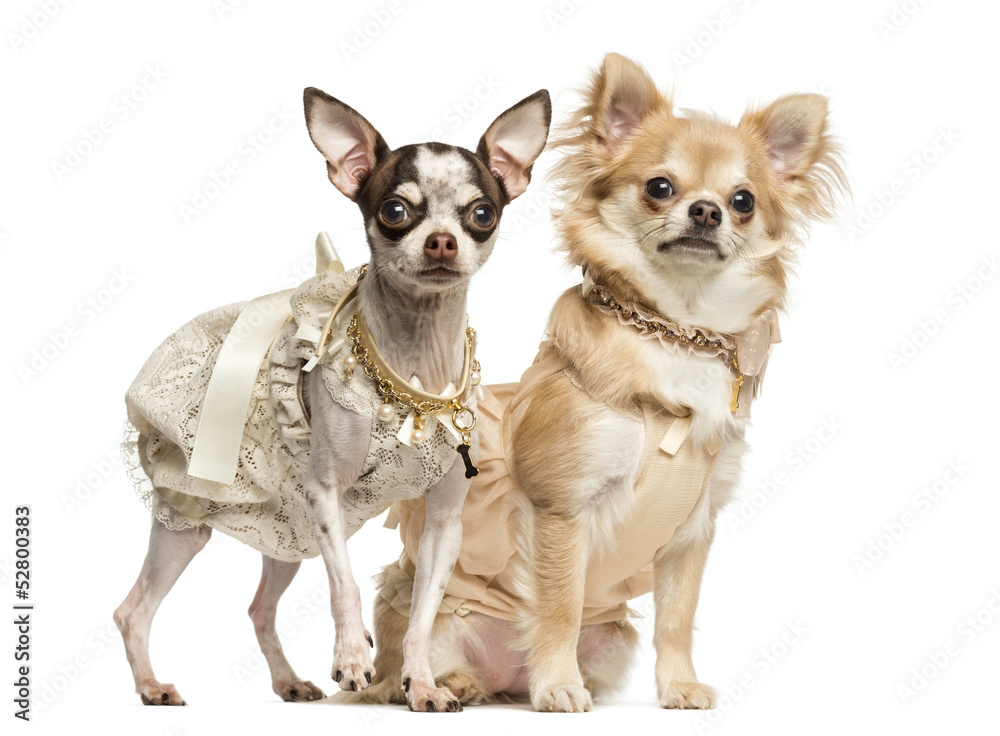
[(687, 695), (352, 666), (426, 697), (562, 699)]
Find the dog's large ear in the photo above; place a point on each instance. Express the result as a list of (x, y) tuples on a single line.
[(802, 155), (621, 94), (349, 143), (515, 139)]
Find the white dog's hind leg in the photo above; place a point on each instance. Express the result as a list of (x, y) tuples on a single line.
[(274, 581), (168, 555)]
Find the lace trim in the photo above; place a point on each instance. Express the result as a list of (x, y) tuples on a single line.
[(671, 334)]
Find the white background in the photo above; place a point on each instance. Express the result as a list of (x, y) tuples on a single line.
[(903, 78)]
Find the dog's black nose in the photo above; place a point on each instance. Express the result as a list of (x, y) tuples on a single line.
[(705, 213), (441, 246)]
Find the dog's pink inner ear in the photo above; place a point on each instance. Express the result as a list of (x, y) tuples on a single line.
[(349, 154), (786, 149), (514, 173), (623, 117), (357, 162), (514, 141), (623, 94), (622, 121), (346, 140), (792, 128)]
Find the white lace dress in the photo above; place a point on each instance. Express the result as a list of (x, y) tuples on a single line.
[(265, 504)]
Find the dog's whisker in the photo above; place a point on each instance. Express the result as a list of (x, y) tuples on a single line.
[(746, 253)]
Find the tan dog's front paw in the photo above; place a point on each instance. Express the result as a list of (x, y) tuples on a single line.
[(428, 698), (467, 688), (687, 695), (352, 667), (158, 694), (562, 699)]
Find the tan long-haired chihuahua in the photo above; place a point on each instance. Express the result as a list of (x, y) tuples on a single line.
[(684, 227)]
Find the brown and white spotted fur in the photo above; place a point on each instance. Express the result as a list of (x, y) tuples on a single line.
[(431, 213)]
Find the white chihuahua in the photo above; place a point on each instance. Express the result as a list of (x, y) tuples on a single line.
[(323, 451)]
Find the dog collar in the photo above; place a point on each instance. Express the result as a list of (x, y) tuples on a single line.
[(397, 392), (745, 352), (390, 384)]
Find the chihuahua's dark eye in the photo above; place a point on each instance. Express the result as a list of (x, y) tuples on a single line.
[(659, 188), (483, 217), (393, 213), (742, 201)]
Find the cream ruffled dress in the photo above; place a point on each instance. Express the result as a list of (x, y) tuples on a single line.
[(264, 505)]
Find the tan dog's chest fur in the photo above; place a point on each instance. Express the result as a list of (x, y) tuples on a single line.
[(617, 367)]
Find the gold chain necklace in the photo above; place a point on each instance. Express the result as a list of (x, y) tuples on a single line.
[(700, 339), (396, 392), (366, 354)]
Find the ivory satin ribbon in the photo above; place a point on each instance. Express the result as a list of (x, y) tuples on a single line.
[(224, 412), (216, 451)]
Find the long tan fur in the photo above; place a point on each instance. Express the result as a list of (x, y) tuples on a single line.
[(624, 134)]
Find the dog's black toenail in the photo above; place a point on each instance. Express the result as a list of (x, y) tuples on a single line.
[(337, 676), (368, 676), (165, 698), (354, 685), (370, 642), (431, 708), (406, 686), (294, 693)]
